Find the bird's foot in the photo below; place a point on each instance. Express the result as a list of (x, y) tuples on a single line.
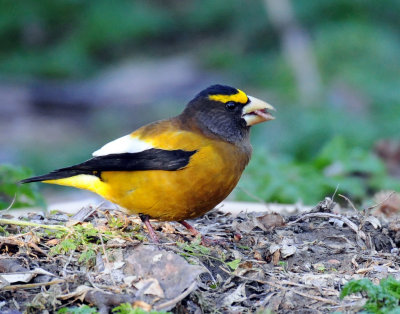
[(204, 240), (146, 220)]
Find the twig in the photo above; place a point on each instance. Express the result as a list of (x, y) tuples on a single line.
[(91, 282), (291, 283), (273, 284), (350, 202), (334, 193), (380, 203), (32, 285), (347, 221), (12, 203), (64, 272), (107, 260), (177, 299), (32, 224), (104, 251), (255, 197)]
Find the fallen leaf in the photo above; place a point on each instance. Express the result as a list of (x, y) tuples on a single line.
[(275, 257), (142, 305), (243, 227), (168, 228), (150, 286), (236, 296), (334, 262), (269, 221), (246, 265), (258, 255), (318, 280), (374, 221), (389, 203), (273, 248), (287, 250), (234, 264), (172, 272), (130, 279), (26, 276), (79, 293), (53, 242)]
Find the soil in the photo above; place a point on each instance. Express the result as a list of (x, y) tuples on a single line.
[(261, 262)]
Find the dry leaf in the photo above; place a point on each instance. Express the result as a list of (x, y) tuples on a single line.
[(236, 296), (53, 242), (171, 271), (142, 305), (275, 257), (26, 276), (150, 286), (374, 221), (288, 250), (269, 221), (79, 293), (389, 203)]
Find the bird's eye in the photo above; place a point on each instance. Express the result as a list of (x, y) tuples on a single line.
[(230, 105)]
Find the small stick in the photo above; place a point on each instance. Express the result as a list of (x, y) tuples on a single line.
[(104, 251), (11, 204), (32, 224), (67, 263), (32, 285), (380, 203), (350, 202)]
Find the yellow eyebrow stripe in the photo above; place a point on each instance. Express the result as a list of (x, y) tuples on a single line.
[(240, 97)]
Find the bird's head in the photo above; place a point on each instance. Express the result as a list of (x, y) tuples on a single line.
[(227, 112)]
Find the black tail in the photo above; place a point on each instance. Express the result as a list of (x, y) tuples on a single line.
[(56, 174), (151, 159)]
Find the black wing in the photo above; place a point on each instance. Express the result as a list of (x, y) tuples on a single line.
[(151, 159)]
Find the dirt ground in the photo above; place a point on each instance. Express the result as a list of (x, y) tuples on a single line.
[(262, 263)]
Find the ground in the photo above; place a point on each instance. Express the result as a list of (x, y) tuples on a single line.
[(262, 262)]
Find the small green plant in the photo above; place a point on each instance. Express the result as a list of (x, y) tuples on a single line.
[(284, 265), (194, 248), (83, 237), (84, 309), (381, 299), (88, 256), (234, 264), (25, 195), (126, 308), (115, 222)]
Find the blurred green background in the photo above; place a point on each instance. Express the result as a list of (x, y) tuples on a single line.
[(77, 74)]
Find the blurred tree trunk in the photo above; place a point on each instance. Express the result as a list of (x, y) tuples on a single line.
[(297, 48)]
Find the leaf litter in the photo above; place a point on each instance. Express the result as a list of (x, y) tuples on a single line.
[(102, 258)]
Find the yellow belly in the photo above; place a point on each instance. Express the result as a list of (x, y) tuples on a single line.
[(174, 195)]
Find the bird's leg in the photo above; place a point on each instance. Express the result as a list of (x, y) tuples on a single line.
[(204, 240), (146, 220), (190, 228)]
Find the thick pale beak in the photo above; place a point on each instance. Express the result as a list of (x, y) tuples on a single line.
[(256, 111)]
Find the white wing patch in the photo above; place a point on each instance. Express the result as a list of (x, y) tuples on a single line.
[(125, 144)]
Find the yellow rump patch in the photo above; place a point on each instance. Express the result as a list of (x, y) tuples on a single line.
[(240, 97), (81, 181)]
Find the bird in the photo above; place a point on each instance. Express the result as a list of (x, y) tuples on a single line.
[(178, 168)]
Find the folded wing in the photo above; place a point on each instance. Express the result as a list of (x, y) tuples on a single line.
[(150, 159)]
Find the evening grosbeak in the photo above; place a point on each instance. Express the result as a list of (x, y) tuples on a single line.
[(174, 169)]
